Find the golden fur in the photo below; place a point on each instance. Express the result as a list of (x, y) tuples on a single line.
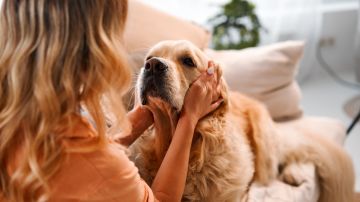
[(237, 144)]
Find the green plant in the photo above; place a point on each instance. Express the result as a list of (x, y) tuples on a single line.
[(236, 27)]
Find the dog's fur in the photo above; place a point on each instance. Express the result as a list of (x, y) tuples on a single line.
[(235, 145)]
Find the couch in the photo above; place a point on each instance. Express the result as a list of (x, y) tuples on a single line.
[(266, 73)]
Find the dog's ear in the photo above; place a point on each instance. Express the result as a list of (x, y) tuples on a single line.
[(165, 121), (260, 131)]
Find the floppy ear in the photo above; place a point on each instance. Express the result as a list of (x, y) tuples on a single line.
[(165, 120)]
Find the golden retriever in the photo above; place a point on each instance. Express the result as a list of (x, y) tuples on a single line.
[(235, 145)]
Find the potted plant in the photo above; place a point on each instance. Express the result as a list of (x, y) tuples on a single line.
[(236, 26)]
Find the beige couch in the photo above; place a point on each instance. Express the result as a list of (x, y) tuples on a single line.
[(265, 73)]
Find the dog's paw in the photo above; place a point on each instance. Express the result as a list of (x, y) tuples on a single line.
[(296, 174)]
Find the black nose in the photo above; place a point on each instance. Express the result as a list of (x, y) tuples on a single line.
[(155, 65)]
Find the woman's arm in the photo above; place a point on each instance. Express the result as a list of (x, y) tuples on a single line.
[(169, 182)]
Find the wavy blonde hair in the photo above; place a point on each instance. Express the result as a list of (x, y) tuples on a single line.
[(55, 55)]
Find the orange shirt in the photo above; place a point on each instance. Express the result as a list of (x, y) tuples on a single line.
[(103, 175)]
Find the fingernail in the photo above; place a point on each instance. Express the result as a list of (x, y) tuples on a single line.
[(210, 71)]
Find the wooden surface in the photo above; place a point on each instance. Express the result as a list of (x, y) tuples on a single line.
[(357, 197)]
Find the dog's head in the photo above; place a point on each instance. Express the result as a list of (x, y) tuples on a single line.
[(170, 67)]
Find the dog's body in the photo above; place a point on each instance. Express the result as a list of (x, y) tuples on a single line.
[(234, 146)]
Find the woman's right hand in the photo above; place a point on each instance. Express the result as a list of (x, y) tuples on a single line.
[(203, 95), (201, 99)]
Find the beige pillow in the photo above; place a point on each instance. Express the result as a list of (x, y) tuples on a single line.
[(146, 26), (266, 73)]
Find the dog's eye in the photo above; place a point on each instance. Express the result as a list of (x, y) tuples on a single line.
[(188, 61)]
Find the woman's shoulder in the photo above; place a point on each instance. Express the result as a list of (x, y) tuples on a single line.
[(104, 161), (111, 160), (104, 174)]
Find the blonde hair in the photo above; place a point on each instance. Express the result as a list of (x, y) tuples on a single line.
[(54, 57)]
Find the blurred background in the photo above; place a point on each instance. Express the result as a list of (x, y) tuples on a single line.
[(329, 73)]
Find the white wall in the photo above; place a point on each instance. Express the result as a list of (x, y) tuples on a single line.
[(198, 11), (357, 52), (341, 25)]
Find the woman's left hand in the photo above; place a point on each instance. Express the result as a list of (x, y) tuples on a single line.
[(141, 119)]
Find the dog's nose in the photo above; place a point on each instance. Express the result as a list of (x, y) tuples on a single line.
[(155, 65)]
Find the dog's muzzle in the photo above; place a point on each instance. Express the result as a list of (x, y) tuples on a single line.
[(153, 80)]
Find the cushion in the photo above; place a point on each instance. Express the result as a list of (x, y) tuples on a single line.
[(331, 128), (147, 26), (266, 73)]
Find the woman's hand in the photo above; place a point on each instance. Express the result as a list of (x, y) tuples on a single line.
[(163, 114), (203, 95), (141, 119)]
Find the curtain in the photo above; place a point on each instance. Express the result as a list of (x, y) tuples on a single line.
[(292, 20), (304, 20), (357, 49)]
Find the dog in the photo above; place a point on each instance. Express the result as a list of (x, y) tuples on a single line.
[(234, 146)]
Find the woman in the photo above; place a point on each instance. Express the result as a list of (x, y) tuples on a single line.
[(56, 58)]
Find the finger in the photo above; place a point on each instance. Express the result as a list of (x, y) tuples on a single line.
[(215, 105), (143, 107), (215, 82), (219, 89), (209, 89), (211, 68), (202, 78), (145, 110), (205, 79), (216, 95), (216, 75), (215, 90), (155, 105), (211, 63)]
